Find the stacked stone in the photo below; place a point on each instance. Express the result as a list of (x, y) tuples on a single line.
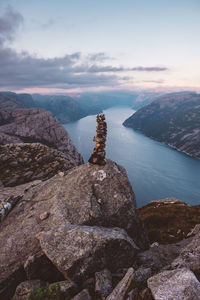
[(99, 153)]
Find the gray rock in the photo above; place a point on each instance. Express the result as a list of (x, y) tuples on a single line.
[(189, 256), (101, 196), (161, 256), (83, 295), (103, 286), (79, 251), (26, 288), (123, 286), (175, 285)]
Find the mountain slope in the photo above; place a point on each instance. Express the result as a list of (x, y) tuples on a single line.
[(173, 119)]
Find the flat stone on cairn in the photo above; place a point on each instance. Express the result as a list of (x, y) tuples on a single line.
[(99, 153)]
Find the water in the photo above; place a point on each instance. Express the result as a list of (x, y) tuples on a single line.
[(155, 170)]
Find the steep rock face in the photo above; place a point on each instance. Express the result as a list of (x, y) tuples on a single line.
[(36, 125), (173, 119), (28, 162), (87, 195)]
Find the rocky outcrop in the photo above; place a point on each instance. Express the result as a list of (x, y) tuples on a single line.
[(92, 195), (36, 125), (172, 119), (169, 220), (28, 162), (176, 284)]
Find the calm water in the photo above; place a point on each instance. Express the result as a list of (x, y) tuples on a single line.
[(155, 170)]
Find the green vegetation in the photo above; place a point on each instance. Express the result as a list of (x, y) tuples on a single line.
[(49, 292)]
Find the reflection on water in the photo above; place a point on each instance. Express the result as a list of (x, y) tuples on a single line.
[(155, 170)]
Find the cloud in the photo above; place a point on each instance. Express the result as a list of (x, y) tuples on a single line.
[(23, 70), (9, 23), (150, 69), (96, 69)]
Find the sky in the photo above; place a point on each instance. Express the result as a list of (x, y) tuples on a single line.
[(63, 46)]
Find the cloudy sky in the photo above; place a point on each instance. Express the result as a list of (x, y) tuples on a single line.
[(79, 45)]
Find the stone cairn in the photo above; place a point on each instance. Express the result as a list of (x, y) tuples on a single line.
[(99, 153)]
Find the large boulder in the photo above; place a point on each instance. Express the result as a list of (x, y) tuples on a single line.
[(175, 285), (97, 195), (36, 125), (28, 162), (78, 251)]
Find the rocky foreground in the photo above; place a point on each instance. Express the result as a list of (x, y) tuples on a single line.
[(72, 231), (81, 233), (173, 119)]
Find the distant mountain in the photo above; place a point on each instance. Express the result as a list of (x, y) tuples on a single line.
[(173, 119), (8, 103), (67, 109), (64, 108), (25, 99), (93, 103)]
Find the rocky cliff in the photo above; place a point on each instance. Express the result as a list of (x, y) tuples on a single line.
[(81, 233), (173, 119), (36, 125)]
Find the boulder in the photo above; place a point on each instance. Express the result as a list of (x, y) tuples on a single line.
[(100, 196), (28, 162), (175, 285), (79, 251)]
